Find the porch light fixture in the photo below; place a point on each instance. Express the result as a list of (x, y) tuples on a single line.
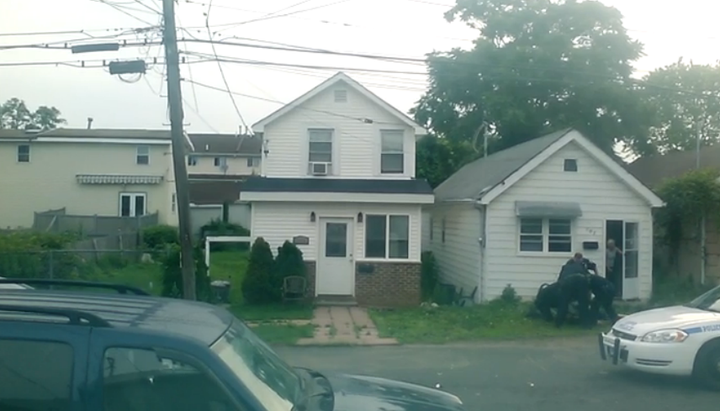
[(312, 217), (360, 217)]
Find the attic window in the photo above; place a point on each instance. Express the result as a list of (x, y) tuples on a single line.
[(570, 165), (340, 96)]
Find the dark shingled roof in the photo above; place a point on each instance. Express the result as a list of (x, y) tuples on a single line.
[(214, 192), (139, 134), (485, 173), (653, 170), (337, 185), (226, 144)]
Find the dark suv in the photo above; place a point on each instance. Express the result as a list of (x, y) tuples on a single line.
[(73, 350)]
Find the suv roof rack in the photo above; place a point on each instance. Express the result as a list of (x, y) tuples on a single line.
[(120, 288), (76, 317)]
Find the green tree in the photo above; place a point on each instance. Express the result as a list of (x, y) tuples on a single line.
[(258, 286), (537, 65), (438, 158), (14, 114), (686, 101)]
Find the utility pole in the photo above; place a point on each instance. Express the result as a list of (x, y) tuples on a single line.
[(187, 261)]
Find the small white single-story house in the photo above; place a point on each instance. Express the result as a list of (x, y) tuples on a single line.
[(516, 216), (338, 180)]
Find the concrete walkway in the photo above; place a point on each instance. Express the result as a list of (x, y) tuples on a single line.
[(344, 326)]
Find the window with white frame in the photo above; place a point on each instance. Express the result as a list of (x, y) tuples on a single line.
[(538, 235), (220, 161), (253, 162), (23, 153), (387, 236), (133, 204), (320, 146), (192, 161), (392, 156), (142, 155)]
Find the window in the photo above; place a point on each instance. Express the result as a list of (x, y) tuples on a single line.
[(35, 375), (192, 161), (336, 240), (442, 233), (538, 235), (173, 202), (145, 380), (132, 204), (142, 155), (253, 162), (320, 147), (392, 157), (340, 96), (220, 161), (23, 153), (387, 236), (570, 165)]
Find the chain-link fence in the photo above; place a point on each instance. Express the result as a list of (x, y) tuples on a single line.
[(140, 268)]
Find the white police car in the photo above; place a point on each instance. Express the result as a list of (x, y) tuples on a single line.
[(681, 340)]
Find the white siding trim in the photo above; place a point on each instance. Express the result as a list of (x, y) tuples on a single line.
[(308, 197), (652, 199)]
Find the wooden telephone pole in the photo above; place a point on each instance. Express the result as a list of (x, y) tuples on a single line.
[(172, 58)]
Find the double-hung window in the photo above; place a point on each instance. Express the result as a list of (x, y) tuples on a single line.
[(23, 153), (321, 145), (540, 235), (392, 156), (387, 236), (142, 155)]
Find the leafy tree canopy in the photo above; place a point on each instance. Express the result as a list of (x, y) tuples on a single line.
[(680, 116), (537, 66), (14, 114)]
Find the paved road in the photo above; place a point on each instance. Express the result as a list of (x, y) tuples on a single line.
[(554, 375)]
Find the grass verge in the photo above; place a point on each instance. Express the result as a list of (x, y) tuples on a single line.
[(496, 320), (268, 313), (285, 334)]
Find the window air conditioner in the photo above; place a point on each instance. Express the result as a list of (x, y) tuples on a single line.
[(319, 169)]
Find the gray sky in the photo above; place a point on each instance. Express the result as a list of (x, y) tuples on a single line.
[(408, 28)]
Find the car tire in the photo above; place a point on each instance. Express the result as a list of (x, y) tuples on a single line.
[(706, 369)]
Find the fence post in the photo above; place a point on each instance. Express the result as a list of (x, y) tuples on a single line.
[(51, 262)]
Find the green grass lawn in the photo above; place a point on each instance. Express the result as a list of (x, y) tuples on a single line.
[(493, 321), (269, 313), (285, 334)]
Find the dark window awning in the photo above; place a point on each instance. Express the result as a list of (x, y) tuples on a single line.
[(547, 209)]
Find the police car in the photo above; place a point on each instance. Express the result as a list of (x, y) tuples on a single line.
[(682, 340)]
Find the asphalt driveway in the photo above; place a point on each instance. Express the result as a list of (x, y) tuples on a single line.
[(557, 375)]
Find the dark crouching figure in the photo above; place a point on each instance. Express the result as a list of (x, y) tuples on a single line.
[(577, 265), (603, 294), (547, 299), (574, 288)]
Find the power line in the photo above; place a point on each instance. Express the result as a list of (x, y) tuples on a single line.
[(123, 11), (222, 72), (276, 16)]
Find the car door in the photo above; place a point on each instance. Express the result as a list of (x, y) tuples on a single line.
[(130, 370), (42, 366)]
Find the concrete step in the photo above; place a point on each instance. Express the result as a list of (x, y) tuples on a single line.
[(335, 300)]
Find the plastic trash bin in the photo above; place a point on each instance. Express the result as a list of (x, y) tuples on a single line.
[(221, 290)]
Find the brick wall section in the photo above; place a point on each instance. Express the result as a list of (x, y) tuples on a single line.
[(310, 266), (388, 285)]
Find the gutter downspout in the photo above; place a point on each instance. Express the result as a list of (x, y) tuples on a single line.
[(482, 240)]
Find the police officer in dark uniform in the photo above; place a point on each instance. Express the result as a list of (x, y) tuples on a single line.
[(577, 265), (603, 295), (574, 286)]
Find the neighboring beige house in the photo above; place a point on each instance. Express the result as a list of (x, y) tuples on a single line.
[(102, 172), (338, 179), (516, 216), (221, 155)]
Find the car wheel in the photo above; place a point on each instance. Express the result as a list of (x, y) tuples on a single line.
[(707, 365)]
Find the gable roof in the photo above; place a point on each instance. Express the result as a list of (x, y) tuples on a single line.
[(92, 135), (246, 145), (259, 127), (486, 178), (653, 170), (485, 173)]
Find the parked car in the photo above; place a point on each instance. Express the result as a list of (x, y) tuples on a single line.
[(72, 350), (13, 286), (680, 340)]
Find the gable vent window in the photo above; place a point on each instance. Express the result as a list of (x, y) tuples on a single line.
[(570, 165), (340, 96)]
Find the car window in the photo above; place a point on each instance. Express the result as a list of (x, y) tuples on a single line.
[(139, 380), (709, 301), (35, 375)]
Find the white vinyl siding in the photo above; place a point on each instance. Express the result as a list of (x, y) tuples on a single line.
[(392, 156), (356, 143), (278, 222), (601, 195)]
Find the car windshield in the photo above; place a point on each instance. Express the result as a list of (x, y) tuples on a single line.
[(275, 384), (710, 301)]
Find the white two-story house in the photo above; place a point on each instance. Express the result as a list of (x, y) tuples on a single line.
[(338, 180)]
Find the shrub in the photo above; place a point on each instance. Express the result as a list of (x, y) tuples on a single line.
[(429, 276), (219, 228), (509, 295), (27, 254), (172, 281), (258, 286), (159, 236), (289, 261)]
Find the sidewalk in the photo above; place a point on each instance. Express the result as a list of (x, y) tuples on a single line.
[(344, 326)]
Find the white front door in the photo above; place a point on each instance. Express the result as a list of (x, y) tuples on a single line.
[(631, 278), (336, 268)]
